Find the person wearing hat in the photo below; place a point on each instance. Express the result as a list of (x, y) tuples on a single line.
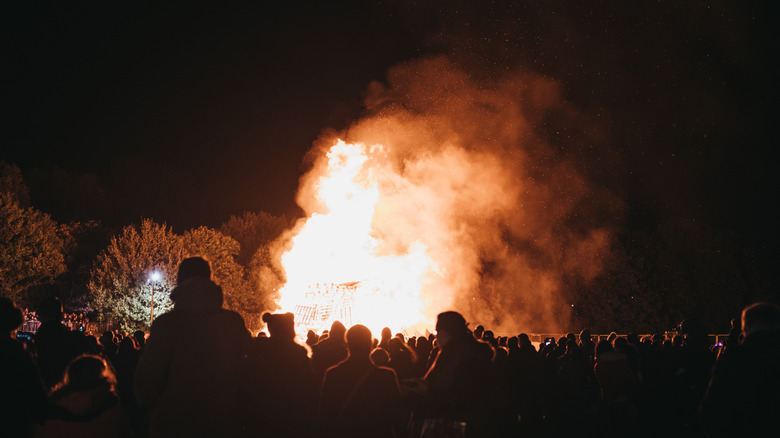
[(188, 378)]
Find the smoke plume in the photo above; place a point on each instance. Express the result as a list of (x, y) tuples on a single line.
[(471, 169)]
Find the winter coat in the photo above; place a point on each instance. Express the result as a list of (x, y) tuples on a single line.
[(459, 382), (85, 414), (359, 399), (618, 382), (190, 375), (22, 399), (284, 389), (743, 397)]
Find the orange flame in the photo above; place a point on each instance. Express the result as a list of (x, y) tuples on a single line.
[(337, 267)]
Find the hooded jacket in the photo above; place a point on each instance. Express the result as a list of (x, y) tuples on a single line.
[(88, 413), (189, 376)]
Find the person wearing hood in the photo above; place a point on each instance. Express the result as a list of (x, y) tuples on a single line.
[(85, 403), (188, 377), (329, 351)]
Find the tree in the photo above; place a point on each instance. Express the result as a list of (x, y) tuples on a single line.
[(654, 280), (11, 182), (221, 251), (31, 250), (252, 231), (119, 284)]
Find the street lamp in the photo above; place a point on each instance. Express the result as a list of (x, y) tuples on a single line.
[(153, 278)]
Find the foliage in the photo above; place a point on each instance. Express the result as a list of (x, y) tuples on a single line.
[(119, 284), (221, 251), (260, 257), (31, 250), (253, 231), (119, 280), (654, 280), (11, 182)]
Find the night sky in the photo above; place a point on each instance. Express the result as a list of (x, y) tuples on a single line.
[(188, 114)]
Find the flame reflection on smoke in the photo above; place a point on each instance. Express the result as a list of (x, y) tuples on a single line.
[(450, 193)]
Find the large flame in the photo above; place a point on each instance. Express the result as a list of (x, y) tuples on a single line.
[(337, 252), (449, 194)]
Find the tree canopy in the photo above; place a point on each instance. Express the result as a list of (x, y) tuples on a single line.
[(121, 289), (31, 249), (120, 286)]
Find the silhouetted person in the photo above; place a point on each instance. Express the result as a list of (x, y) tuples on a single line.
[(576, 392), (587, 345), (55, 343), (478, 331), (743, 396), (384, 339), (359, 399), (85, 403), (401, 359), (329, 351), (423, 352), (619, 389), (189, 375), (140, 339), (285, 382), (311, 338), (109, 346), (125, 364), (697, 361), (458, 382), (22, 399), (524, 372), (379, 357)]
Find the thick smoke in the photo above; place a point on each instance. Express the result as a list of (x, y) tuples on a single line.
[(468, 169)]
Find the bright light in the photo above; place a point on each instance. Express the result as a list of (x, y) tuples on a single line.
[(339, 267), (155, 276)]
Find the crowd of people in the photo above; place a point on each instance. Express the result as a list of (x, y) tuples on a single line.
[(74, 321), (201, 373)]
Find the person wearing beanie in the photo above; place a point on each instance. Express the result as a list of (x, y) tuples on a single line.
[(329, 351), (188, 377)]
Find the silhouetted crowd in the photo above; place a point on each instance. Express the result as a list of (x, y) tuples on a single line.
[(200, 373)]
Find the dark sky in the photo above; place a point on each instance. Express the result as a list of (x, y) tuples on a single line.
[(188, 114)]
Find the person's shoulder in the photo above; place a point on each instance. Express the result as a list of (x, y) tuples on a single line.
[(165, 319), (299, 350), (385, 372), (333, 372), (233, 318), (163, 324)]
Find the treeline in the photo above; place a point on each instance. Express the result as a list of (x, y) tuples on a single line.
[(652, 278), (106, 273)]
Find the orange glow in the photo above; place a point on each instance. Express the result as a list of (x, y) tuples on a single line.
[(338, 267)]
